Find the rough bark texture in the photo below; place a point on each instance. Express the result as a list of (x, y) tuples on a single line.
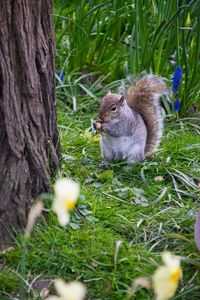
[(29, 147)]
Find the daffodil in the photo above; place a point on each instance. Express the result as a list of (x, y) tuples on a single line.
[(166, 277), (66, 194), (68, 291)]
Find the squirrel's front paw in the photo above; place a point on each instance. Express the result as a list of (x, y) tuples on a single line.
[(100, 127), (104, 129), (97, 125)]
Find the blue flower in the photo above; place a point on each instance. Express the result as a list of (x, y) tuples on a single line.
[(177, 105), (60, 75), (176, 79)]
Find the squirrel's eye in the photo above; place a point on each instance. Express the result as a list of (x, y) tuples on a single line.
[(114, 108)]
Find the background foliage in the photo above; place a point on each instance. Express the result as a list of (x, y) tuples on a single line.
[(116, 38)]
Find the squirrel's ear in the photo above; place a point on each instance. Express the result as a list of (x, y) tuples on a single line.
[(109, 93), (121, 100)]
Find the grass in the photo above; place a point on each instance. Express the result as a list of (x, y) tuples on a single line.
[(148, 216)]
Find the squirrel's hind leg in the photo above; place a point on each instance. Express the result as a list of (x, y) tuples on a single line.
[(136, 154)]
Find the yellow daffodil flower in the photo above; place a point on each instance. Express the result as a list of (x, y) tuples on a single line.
[(66, 194), (166, 278), (68, 291)]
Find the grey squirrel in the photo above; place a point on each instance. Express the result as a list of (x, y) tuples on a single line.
[(131, 124)]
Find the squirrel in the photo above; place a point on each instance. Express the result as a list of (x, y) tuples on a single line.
[(131, 124)]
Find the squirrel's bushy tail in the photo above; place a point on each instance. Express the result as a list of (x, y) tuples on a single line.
[(144, 97)]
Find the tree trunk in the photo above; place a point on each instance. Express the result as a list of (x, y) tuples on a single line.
[(29, 145)]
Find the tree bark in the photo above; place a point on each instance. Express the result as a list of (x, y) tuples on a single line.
[(29, 144)]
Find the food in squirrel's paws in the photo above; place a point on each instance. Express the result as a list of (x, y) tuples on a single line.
[(97, 125)]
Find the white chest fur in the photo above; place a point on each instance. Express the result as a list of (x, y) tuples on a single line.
[(123, 148)]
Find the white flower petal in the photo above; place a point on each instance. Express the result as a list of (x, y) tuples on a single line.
[(66, 194), (163, 286), (58, 205), (60, 286), (166, 278), (170, 260), (66, 189), (63, 217), (70, 291), (53, 298)]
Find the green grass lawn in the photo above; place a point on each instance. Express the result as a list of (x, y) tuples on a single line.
[(116, 203)]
